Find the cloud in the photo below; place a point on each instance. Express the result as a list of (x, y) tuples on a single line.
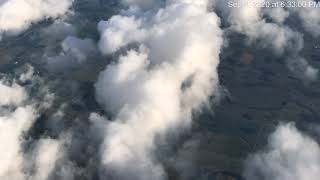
[(17, 116), (57, 32), (141, 4), (279, 15), (48, 151), (162, 61), (201, 3), (250, 20), (80, 48), (75, 52), (184, 161), (11, 94), (301, 68), (11, 128), (170, 71), (27, 75), (290, 155), (309, 14), (18, 15), (118, 32)]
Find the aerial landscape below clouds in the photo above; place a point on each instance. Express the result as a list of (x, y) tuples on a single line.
[(158, 90)]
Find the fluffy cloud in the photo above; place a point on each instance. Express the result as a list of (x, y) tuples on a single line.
[(14, 123), (119, 31), (309, 14), (290, 155), (250, 20), (170, 72), (11, 128), (164, 58), (17, 15), (11, 94), (47, 152)]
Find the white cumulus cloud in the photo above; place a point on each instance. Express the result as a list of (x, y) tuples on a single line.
[(18, 15), (290, 155), (170, 71)]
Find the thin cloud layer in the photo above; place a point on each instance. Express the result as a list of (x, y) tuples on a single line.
[(74, 53)]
